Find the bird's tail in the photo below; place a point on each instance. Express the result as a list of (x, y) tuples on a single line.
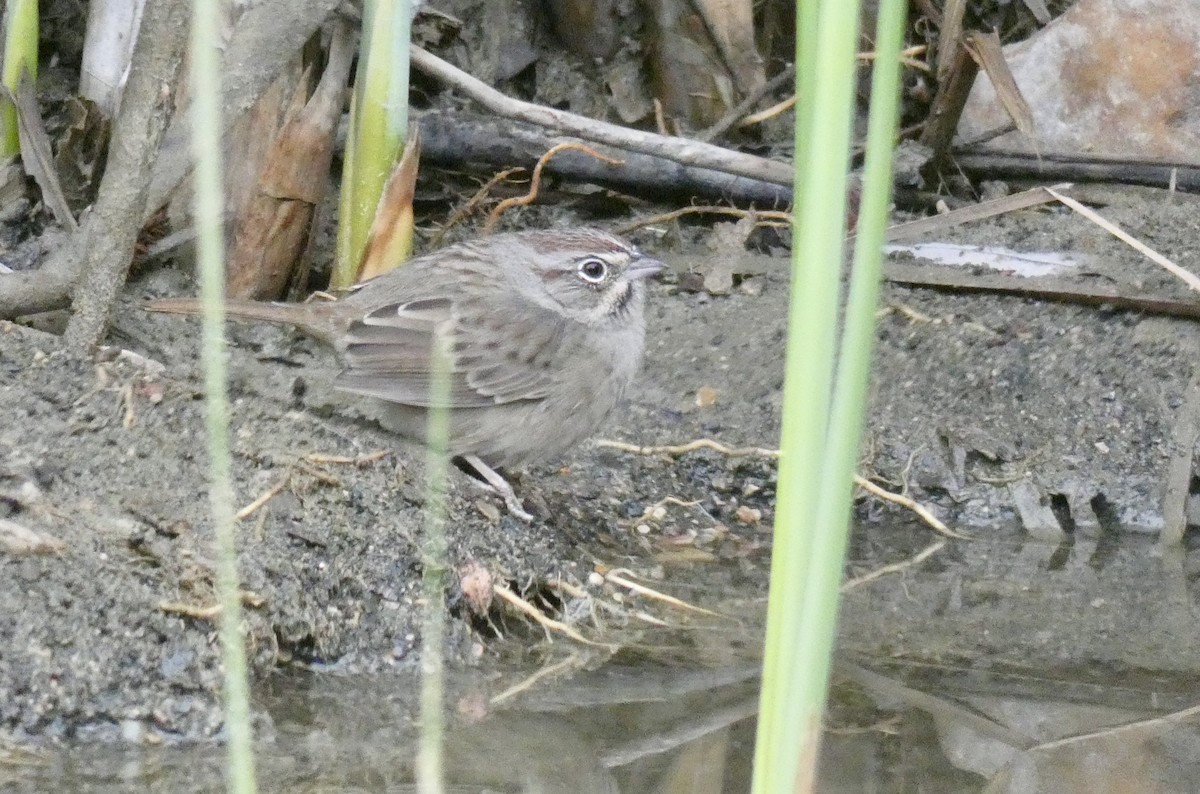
[(312, 321), (237, 309)]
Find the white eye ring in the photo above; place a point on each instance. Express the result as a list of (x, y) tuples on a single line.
[(593, 270)]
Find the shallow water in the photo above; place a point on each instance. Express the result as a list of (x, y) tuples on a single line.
[(1013, 702)]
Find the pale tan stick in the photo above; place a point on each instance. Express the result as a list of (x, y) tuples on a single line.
[(265, 497), (616, 577), (679, 150), (548, 623), (691, 446), (902, 500), (18, 539), (763, 115), (895, 567), (1116, 231), (318, 475), (762, 452), (357, 460), (249, 598)]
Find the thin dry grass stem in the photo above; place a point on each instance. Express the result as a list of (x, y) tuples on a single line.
[(660, 118), (129, 416), (549, 624), (249, 598), (767, 113), (535, 182), (472, 203), (318, 475), (1116, 231), (365, 459), (264, 497), (676, 450), (908, 56), (645, 617), (783, 218), (573, 590), (911, 313), (572, 661), (899, 499), (302, 465), (618, 576), (895, 567)]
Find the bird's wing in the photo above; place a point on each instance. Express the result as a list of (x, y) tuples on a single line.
[(388, 353)]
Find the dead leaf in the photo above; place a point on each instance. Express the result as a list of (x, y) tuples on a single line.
[(390, 240), (36, 153)]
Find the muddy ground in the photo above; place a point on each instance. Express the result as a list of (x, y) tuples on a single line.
[(971, 394)]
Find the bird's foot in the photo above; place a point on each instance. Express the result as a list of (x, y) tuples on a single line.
[(500, 485)]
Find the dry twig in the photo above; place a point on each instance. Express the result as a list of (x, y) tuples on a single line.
[(762, 452), (535, 182), (774, 215), (470, 205), (618, 577), (680, 150), (1116, 231), (249, 599)]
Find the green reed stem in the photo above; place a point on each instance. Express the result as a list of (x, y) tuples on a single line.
[(429, 765), (210, 247), (800, 623), (378, 128), (20, 54)]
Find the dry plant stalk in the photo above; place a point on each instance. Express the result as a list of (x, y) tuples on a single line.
[(274, 227)]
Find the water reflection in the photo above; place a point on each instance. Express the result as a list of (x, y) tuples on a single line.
[(998, 666)]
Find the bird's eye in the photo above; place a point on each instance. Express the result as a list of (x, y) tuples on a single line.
[(593, 271)]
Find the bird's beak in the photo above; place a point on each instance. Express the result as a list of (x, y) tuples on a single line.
[(644, 267)]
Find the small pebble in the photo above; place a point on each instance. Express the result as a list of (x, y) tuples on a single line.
[(705, 396), (748, 515)]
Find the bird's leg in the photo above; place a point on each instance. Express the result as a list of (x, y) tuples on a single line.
[(500, 486)]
